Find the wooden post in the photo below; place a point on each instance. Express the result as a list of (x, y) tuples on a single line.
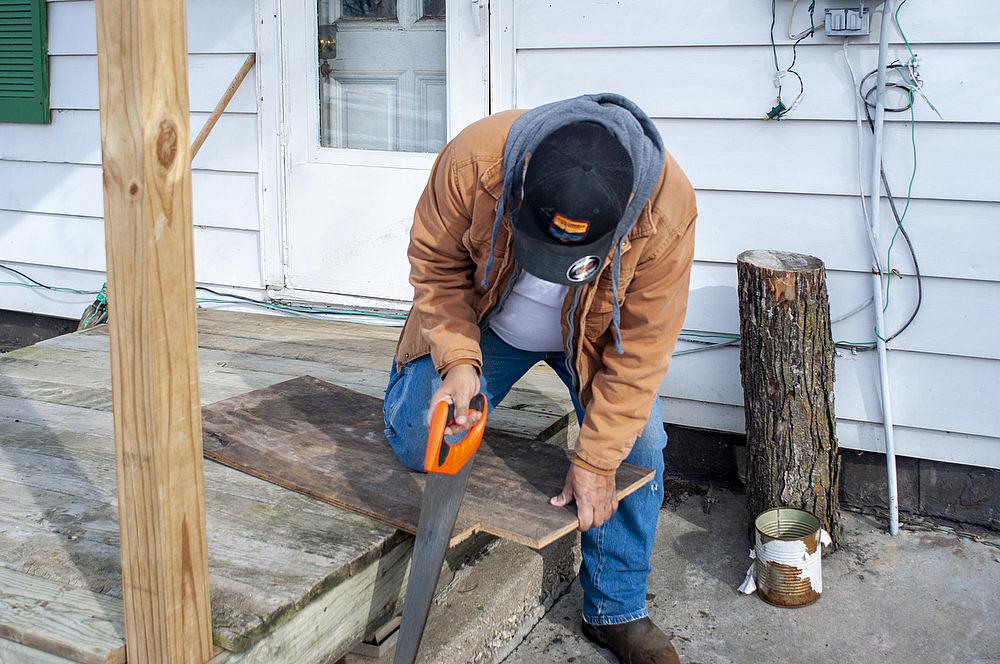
[(787, 363), (142, 68)]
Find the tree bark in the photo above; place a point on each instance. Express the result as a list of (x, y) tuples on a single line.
[(787, 364)]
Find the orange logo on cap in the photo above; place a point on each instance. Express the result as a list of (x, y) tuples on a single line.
[(571, 226)]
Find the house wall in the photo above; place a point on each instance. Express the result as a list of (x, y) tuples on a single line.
[(704, 71), (51, 199)]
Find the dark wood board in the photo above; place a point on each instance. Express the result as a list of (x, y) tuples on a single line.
[(328, 442)]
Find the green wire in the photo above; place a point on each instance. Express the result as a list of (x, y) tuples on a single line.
[(374, 314), (913, 174), (306, 310), (900, 28), (711, 335)]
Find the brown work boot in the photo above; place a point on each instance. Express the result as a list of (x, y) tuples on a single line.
[(636, 642)]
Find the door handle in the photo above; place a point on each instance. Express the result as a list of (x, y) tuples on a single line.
[(328, 41), (477, 15)]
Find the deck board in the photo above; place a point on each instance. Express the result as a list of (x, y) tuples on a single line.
[(80, 625), (539, 400), (327, 442), (274, 555)]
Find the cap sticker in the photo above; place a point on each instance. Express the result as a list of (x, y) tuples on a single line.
[(583, 269), (568, 230)]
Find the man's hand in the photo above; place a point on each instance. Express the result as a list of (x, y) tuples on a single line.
[(595, 496), (461, 383)]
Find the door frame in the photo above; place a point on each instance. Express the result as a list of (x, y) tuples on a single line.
[(273, 115)]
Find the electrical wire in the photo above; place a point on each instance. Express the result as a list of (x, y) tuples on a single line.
[(820, 24), (38, 284), (779, 111), (899, 218), (862, 100), (97, 314), (300, 308), (860, 144)]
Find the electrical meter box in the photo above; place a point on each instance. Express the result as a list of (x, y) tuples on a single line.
[(848, 21)]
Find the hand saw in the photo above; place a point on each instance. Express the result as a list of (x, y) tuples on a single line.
[(448, 468)]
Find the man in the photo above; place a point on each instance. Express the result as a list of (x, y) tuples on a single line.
[(564, 235)]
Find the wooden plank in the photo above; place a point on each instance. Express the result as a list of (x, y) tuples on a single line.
[(145, 139), (74, 137), (77, 624), (580, 23), (51, 378), (531, 408), (735, 82), (71, 29), (292, 329), (73, 79), (220, 108), (526, 413), (327, 628), (74, 189), (327, 442), (32, 389), (15, 653), (271, 551)]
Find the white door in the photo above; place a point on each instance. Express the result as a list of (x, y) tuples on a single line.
[(375, 89)]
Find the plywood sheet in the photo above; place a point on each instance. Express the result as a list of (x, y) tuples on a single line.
[(328, 442)]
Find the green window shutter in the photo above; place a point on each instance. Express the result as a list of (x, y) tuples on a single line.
[(24, 62)]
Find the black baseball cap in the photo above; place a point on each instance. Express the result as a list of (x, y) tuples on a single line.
[(575, 191)]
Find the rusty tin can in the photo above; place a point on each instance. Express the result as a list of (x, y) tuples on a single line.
[(788, 548)]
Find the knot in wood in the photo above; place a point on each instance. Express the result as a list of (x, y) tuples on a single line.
[(166, 143)]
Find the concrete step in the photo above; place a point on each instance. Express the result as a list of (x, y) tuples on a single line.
[(486, 605)]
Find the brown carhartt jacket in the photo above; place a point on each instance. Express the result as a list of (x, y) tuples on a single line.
[(449, 248)]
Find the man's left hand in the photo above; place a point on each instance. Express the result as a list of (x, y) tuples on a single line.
[(594, 494)]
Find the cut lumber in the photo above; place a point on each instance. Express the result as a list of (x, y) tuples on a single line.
[(220, 107), (145, 142), (328, 627), (329, 443), (787, 364), (79, 625)]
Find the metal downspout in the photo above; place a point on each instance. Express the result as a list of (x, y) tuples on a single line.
[(876, 197)]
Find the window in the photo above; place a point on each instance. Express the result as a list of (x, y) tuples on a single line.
[(382, 78), (24, 62)]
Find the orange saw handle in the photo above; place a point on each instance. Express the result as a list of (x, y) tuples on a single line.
[(446, 459)]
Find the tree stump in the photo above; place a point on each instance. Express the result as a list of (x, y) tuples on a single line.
[(787, 364)]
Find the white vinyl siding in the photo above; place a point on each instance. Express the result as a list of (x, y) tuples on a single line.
[(704, 71), (51, 198)]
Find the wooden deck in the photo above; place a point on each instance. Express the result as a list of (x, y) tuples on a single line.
[(292, 579)]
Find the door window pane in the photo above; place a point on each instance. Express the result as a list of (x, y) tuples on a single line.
[(383, 9), (382, 82), (433, 8)]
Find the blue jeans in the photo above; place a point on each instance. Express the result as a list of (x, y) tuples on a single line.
[(616, 555)]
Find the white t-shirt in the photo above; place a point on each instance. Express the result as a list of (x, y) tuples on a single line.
[(531, 317)]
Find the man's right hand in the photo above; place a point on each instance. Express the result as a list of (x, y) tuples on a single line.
[(461, 383)]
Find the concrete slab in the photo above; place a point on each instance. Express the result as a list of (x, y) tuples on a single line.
[(483, 609), (921, 597)]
